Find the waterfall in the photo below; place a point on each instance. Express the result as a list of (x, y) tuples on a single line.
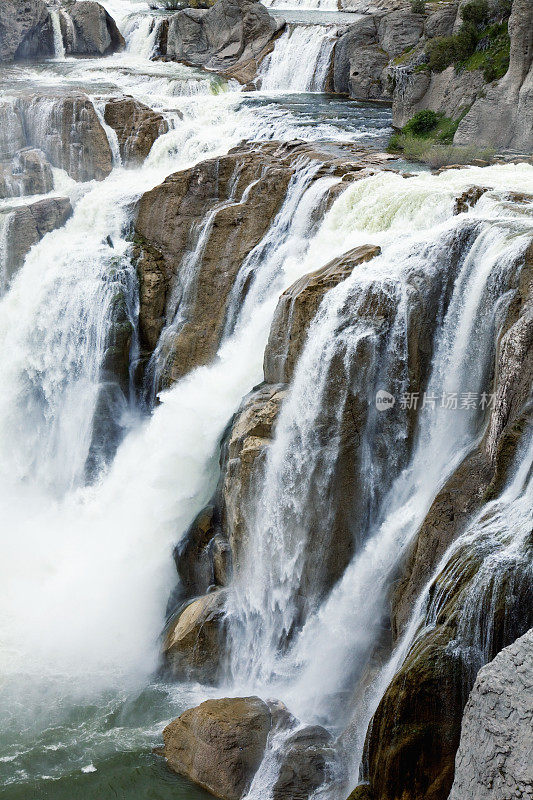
[(5, 223), (287, 641), (59, 47), (161, 476), (300, 60)]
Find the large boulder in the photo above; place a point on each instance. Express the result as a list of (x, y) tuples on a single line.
[(88, 29), (25, 30), (195, 641), (495, 756), (24, 226), (232, 37), (220, 744), (137, 127)]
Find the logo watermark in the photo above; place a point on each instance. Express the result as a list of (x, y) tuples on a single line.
[(451, 401)]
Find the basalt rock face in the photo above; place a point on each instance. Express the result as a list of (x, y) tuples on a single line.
[(88, 29), (415, 732), (297, 308), (503, 116), (137, 127), (28, 172), (232, 37), (495, 756), (497, 114), (167, 217), (194, 232), (363, 54), (24, 226), (40, 131), (195, 642), (25, 30)]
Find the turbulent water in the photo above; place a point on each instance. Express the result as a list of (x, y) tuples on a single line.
[(85, 565)]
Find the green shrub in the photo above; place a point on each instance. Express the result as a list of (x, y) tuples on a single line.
[(476, 13), (422, 123), (440, 53), (465, 42), (418, 6)]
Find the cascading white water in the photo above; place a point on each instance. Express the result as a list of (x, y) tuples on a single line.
[(332, 648), (300, 60), (59, 47)]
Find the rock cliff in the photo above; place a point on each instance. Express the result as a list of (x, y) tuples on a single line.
[(495, 756)]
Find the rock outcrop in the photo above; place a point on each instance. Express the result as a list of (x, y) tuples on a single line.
[(231, 38), (490, 113), (27, 172), (502, 116), (297, 308), (495, 756), (62, 130), (363, 54), (220, 744), (195, 642), (25, 30), (137, 127), (24, 226), (88, 29)]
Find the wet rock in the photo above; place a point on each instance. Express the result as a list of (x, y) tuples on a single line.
[(306, 764), (26, 225), (88, 29), (412, 740), (250, 435), (414, 734), (25, 30), (232, 37), (137, 127), (29, 172), (495, 756), (65, 128), (195, 642), (468, 199), (220, 744), (203, 556), (297, 308), (168, 226)]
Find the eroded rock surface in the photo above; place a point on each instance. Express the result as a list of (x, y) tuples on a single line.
[(24, 226), (61, 130), (25, 30), (137, 127), (413, 738), (297, 308), (88, 29), (232, 37), (495, 756), (195, 641)]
